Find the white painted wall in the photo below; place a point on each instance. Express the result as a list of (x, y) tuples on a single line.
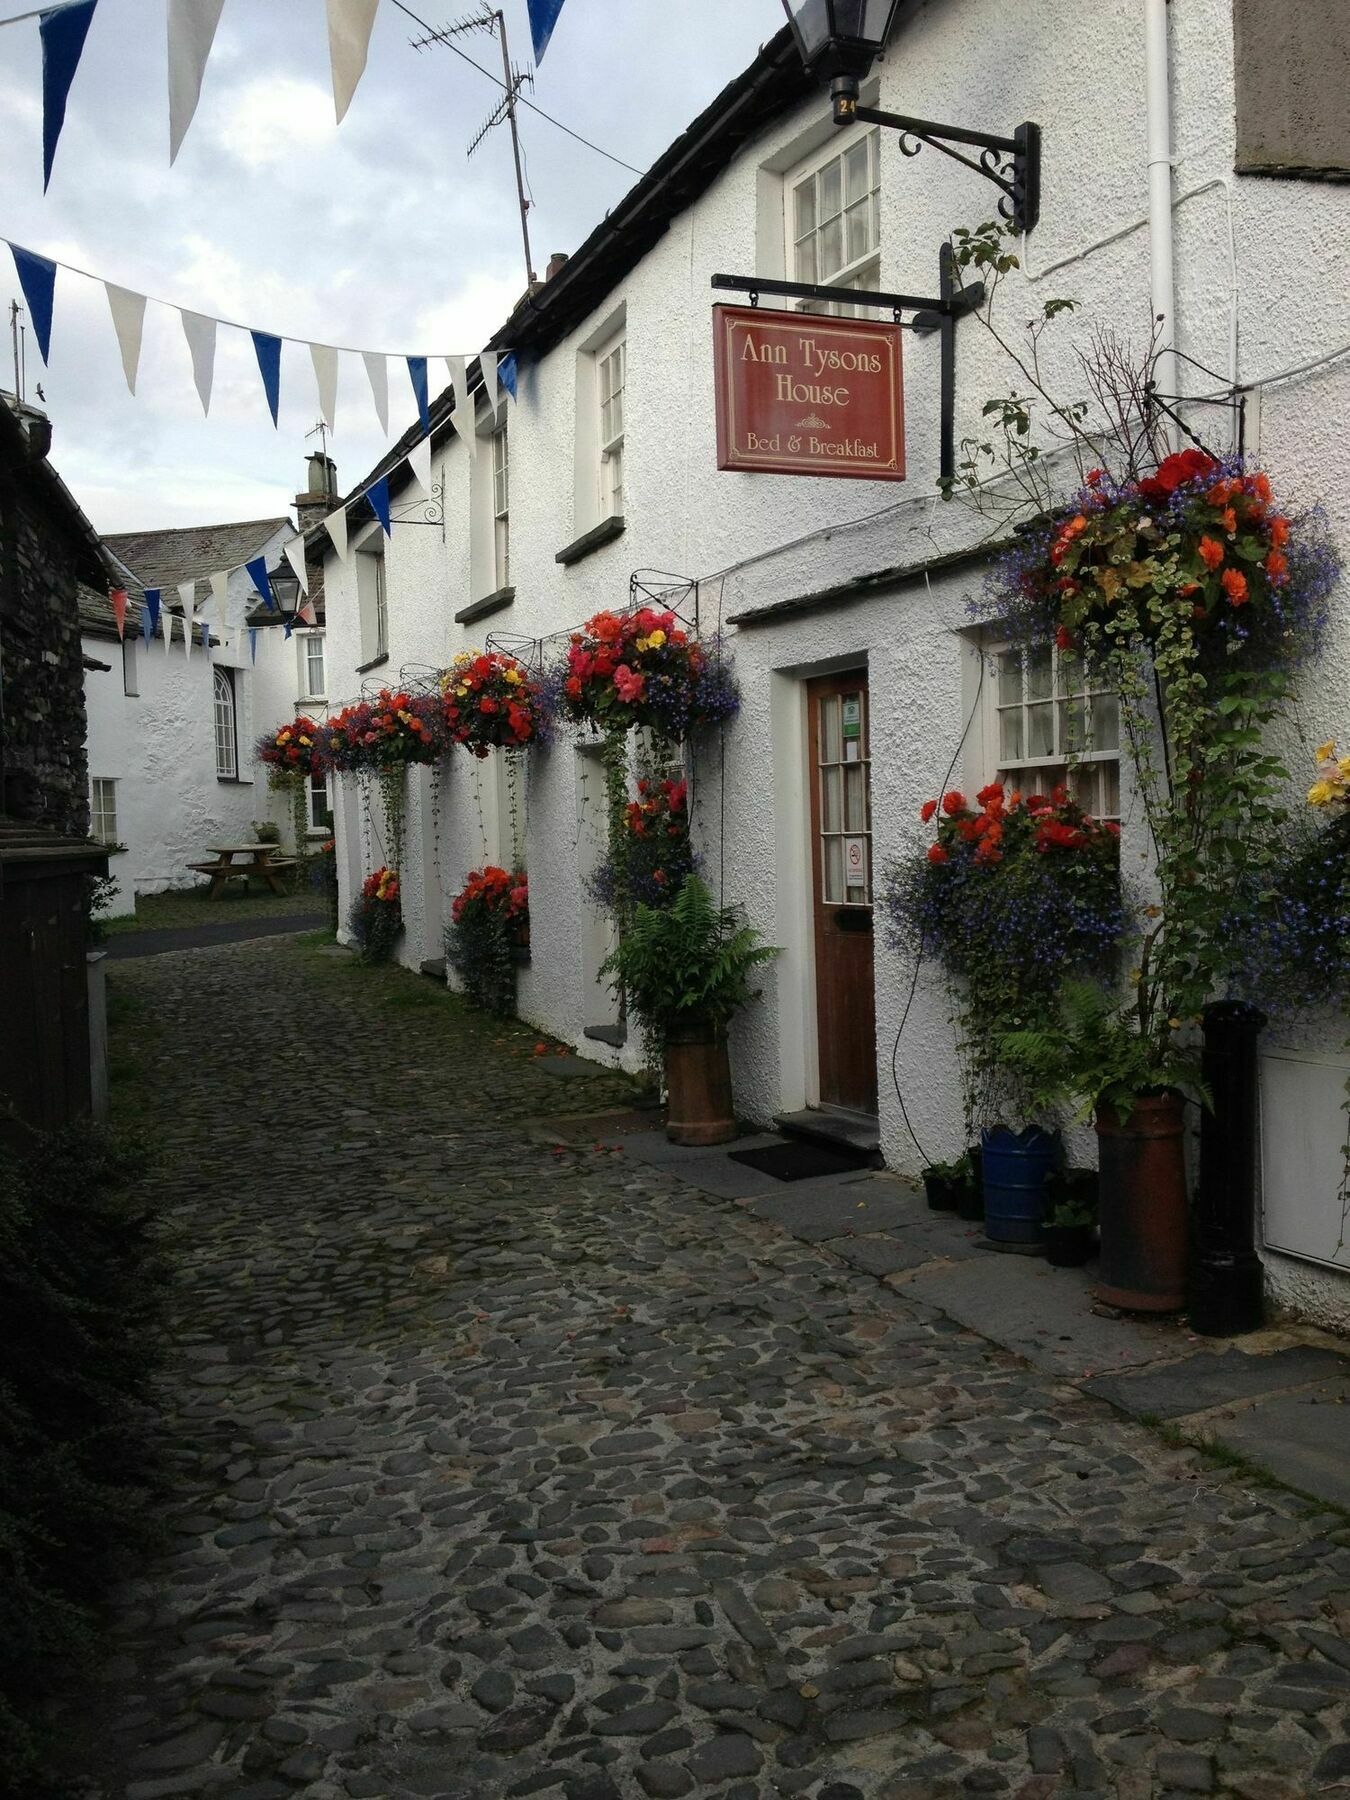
[(1265, 265)]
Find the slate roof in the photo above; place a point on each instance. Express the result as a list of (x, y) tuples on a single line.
[(96, 614), (181, 552)]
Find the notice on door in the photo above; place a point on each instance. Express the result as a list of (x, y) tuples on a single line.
[(855, 862), (804, 394)]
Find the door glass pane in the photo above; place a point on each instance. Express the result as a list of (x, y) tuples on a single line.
[(855, 802), (829, 730), (834, 868), (1041, 730), (830, 809)]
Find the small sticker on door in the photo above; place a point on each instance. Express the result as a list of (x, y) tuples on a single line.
[(852, 716), (852, 750), (855, 862)]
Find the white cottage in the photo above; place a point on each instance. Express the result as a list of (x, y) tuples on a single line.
[(1189, 170)]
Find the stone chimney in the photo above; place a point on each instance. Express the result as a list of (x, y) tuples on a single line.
[(555, 262), (321, 493)]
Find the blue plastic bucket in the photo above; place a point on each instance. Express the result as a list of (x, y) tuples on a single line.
[(1016, 1164)]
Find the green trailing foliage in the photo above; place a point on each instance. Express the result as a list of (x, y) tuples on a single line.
[(79, 1296), (686, 963)]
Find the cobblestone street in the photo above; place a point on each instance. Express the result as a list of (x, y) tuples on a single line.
[(504, 1466)]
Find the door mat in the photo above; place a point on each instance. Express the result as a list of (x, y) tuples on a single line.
[(800, 1161)]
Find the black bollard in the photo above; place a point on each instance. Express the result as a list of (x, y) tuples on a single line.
[(1227, 1281)]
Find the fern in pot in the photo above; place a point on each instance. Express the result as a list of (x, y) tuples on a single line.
[(684, 970)]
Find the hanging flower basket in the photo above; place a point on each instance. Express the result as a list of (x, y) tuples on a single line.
[(643, 669), (1200, 547), (292, 749), (653, 856), (491, 702), (390, 731), (377, 916)]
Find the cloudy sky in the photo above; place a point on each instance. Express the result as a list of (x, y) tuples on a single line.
[(378, 233)]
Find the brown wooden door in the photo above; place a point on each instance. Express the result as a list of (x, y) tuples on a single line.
[(841, 867)]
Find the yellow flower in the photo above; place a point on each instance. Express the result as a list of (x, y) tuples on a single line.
[(305, 740), (1319, 793), (642, 643), (657, 638), (511, 675), (1343, 766), (1323, 751), (463, 688), (464, 657)]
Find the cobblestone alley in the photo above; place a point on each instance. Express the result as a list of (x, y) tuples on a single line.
[(504, 1468)]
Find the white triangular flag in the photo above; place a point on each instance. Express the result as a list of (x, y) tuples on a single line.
[(487, 362), (128, 317), (336, 523), (166, 621), (220, 586), (192, 27), (349, 27), (187, 594), (461, 416), (325, 360), (378, 371), (294, 552), (187, 634), (419, 461), (200, 333)]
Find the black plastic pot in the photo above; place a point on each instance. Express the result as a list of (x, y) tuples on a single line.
[(943, 1191), (1068, 1246)]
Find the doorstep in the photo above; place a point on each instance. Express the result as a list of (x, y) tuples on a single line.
[(833, 1125), (1277, 1399)]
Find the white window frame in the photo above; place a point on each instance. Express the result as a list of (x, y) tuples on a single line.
[(315, 826), (306, 639), (373, 596), (501, 508), (103, 808), (131, 680), (859, 271), (611, 382), (1091, 774), (225, 718)]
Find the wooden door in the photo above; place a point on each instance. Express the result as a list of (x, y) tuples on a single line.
[(841, 866)]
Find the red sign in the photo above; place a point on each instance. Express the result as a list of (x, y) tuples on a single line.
[(805, 394)]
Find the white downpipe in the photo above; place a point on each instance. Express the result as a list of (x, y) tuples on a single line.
[(1159, 124)]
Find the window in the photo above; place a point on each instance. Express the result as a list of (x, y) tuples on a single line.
[(311, 665), (1052, 723), (227, 739), (372, 597), (130, 675), (320, 806), (834, 220), (103, 809), (611, 369), (501, 510)]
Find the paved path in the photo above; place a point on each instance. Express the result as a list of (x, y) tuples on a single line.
[(505, 1469), (201, 937)]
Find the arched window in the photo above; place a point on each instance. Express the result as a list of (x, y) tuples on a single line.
[(227, 739)]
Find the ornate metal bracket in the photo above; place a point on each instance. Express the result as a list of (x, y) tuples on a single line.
[(424, 512), (1013, 163)]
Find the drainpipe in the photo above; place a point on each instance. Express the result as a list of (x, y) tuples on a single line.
[(1159, 128)]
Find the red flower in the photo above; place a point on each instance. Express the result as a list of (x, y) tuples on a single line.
[(572, 688), (953, 802), (1279, 531), (1211, 552), (1235, 586), (1182, 466), (1093, 478), (628, 685), (994, 791), (927, 810), (1063, 638), (936, 854), (1276, 566)]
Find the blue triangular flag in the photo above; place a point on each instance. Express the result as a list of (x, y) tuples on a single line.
[(152, 602), (37, 278), (63, 30), (543, 17), (378, 495), (288, 624), (145, 623), (257, 572), (253, 643), (417, 370), (268, 351), (506, 372)]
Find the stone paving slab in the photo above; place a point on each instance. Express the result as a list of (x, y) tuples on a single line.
[(1303, 1438), (1211, 1378), (498, 1467)]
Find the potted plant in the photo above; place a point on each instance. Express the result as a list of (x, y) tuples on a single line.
[(1127, 1069), (377, 916), (945, 1182), (1069, 1235), (685, 969)]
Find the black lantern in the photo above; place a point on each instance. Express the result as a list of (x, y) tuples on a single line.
[(839, 40), (285, 586)]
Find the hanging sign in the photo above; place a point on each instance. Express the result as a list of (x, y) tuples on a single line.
[(805, 394)]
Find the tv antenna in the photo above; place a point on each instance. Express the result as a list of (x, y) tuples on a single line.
[(514, 80), (18, 338), (320, 431)]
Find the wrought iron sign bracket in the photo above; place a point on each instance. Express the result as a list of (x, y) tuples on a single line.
[(955, 299), (1013, 163)]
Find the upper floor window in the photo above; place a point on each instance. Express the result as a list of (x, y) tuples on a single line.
[(373, 599), (833, 224), (103, 809), (1052, 722), (611, 369), (227, 735), (501, 510), (311, 665)]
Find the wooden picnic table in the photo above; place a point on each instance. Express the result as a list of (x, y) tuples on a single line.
[(258, 859)]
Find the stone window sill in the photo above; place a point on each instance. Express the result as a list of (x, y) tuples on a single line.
[(495, 602), (376, 662), (590, 541), (616, 1036)]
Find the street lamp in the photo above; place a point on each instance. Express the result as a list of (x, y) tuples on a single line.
[(839, 40), (285, 586)]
